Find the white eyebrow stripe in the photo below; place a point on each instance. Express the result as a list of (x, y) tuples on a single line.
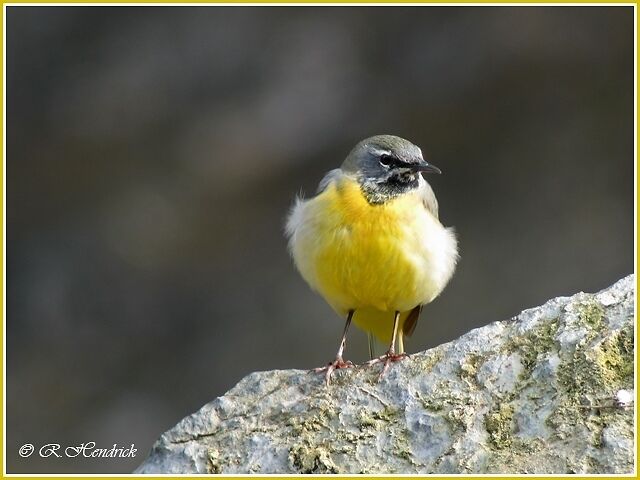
[(378, 151)]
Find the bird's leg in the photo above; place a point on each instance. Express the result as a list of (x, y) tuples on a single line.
[(372, 345), (339, 362), (391, 355)]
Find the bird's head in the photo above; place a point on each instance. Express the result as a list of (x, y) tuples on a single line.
[(386, 166)]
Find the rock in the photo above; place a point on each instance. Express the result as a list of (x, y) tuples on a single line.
[(549, 391)]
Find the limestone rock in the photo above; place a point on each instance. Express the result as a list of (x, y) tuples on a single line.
[(549, 391)]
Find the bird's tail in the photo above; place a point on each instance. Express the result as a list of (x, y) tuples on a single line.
[(412, 320)]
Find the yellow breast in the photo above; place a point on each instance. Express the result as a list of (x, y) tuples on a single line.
[(367, 257)]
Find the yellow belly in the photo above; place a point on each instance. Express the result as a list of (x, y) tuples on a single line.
[(375, 259)]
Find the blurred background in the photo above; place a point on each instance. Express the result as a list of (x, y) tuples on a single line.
[(153, 153)]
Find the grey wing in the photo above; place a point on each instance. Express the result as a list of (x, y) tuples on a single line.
[(450, 253), (429, 200), (296, 213), (328, 179), (431, 204)]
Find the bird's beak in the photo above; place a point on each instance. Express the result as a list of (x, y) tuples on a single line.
[(425, 167)]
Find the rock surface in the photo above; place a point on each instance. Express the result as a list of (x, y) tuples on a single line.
[(549, 391)]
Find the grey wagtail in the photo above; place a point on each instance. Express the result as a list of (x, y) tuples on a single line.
[(371, 244)]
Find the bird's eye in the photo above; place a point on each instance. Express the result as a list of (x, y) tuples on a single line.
[(386, 160)]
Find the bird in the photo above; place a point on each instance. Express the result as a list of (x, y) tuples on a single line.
[(371, 244)]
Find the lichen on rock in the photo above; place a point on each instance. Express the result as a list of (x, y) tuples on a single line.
[(539, 393)]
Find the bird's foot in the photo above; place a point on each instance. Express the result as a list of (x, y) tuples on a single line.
[(337, 364), (388, 358)]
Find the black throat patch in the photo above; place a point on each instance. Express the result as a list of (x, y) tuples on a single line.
[(378, 193)]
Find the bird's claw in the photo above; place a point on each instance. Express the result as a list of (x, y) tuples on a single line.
[(337, 364), (388, 358)]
